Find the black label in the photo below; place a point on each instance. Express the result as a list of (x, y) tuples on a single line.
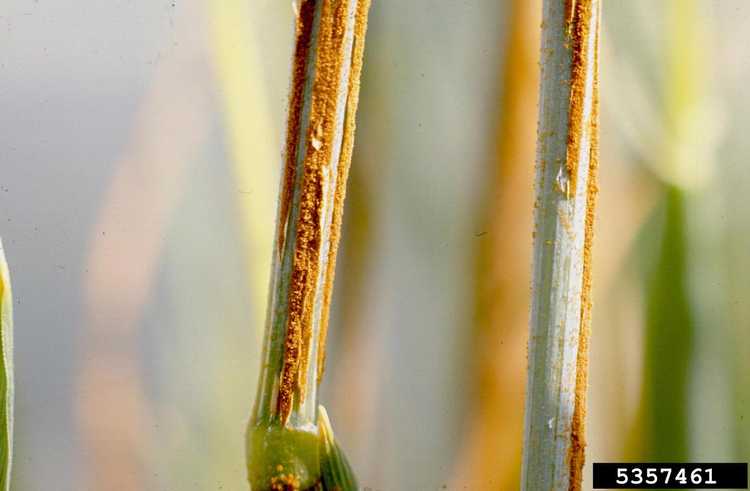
[(670, 476)]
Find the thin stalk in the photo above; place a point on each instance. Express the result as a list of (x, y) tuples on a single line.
[(567, 154), (283, 433)]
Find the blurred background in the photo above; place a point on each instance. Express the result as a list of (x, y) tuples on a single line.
[(140, 149)]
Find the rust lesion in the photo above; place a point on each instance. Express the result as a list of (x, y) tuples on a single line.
[(570, 9), (303, 36), (578, 440), (331, 54), (577, 26), (285, 482), (347, 145)]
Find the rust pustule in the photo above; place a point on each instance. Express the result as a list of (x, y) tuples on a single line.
[(331, 52), (570, 9), (347, 147), (578, 437), (578, 33), (303, 35)]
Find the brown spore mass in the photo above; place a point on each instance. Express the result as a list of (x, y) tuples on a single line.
[(578, 439), (570, 9), (331, 53), (578, 31), (358, 51), (285, 482), (303, 35)]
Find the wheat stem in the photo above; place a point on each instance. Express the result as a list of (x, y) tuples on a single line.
[(566, 190), (283, 430)]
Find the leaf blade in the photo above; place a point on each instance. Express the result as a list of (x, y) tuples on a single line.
[(336, 472), (6, 373)]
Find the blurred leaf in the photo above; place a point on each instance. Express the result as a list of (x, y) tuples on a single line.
[(669, 335), (670, 316), (6, 373), (251, 137), (491, 448)]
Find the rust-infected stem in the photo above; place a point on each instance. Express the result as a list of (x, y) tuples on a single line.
[(323, 101), (566, 190), (326, 67)]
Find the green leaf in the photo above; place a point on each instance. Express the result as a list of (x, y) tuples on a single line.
[(670, 333), (6, 373), (335, 471)]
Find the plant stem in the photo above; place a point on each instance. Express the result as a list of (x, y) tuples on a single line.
[(325, 86), (561, 280)]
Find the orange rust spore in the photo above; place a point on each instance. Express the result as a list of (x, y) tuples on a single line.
[(330, 56), (328, 66), (304, 29), (285, 482), (570, 8), (358, 51), (308, 226), (303, 35), (578, 437), (579, 32)]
